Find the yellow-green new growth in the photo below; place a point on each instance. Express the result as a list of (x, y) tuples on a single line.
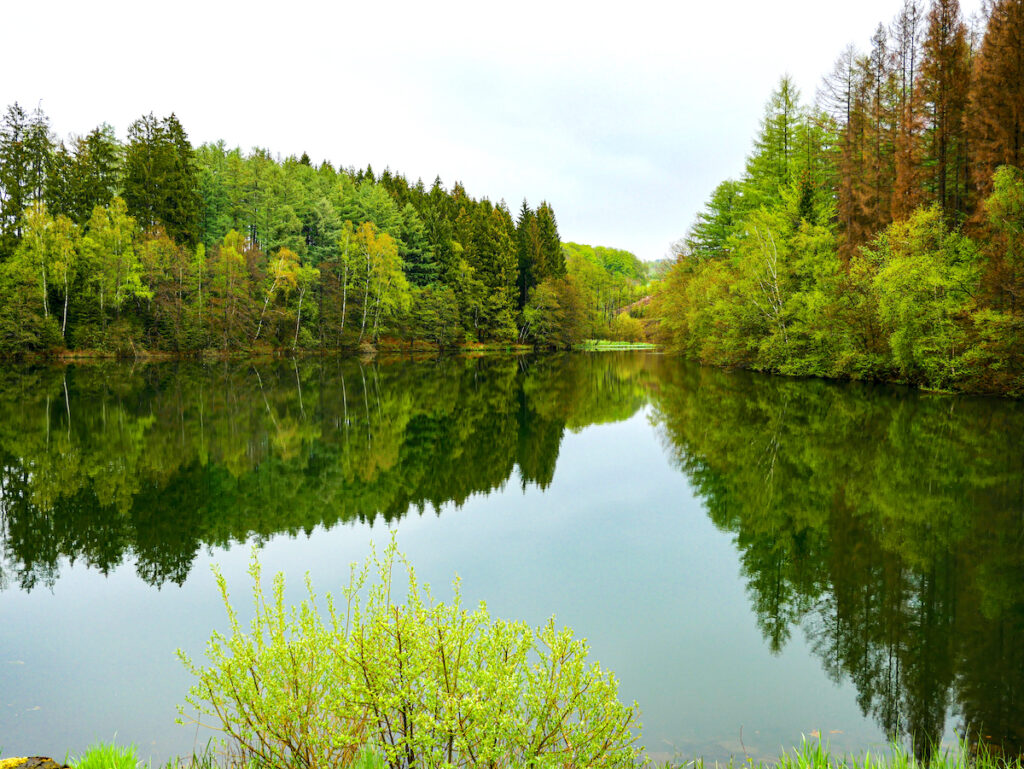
[(422, 682)]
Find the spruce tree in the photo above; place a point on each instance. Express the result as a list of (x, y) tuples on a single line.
[(14, 177), (551, 263), (527, 251), (716, 223), (96, 171), (160, 183)]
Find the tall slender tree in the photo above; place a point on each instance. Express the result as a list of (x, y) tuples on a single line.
[(945, 80), (996, 108)]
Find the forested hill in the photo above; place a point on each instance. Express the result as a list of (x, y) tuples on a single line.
[(878, 234), (153, 244)]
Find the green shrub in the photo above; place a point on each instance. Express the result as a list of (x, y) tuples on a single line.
[(625, 328), (423, 683), (107, 756)]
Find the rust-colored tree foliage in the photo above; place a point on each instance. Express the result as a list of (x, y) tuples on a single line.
[(996, 106), (945, 82)]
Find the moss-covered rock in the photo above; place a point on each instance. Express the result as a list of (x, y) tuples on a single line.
[(32, 762)]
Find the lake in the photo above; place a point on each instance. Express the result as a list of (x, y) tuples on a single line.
[(756, 558)]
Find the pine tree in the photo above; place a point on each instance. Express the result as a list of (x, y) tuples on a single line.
[(215, 218), (414, 247)]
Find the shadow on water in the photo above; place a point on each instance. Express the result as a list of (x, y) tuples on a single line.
[(887, 525)]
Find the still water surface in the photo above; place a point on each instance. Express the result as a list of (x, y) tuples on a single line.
[(757, 558)]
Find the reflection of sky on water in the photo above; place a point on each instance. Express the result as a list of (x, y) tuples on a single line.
[(617, 548)]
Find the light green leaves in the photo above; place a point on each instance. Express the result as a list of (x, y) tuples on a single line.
[(423, 682)]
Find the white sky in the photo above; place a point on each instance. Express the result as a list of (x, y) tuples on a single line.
[(624, 116)]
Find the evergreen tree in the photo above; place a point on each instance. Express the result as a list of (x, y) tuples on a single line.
[(716, 223), (160, 181), (551, 262), (418, 260), (15, 185), (215, 218), (95, 173), (770, 167), (528, 251)]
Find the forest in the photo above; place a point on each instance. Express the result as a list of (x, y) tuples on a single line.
[(153, 245), (878, 234)]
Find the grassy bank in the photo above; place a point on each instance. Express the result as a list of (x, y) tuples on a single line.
[(810, 755), (601, 345)]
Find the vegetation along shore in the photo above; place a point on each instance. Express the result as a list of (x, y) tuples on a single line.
[(878, 234), (156, 247)]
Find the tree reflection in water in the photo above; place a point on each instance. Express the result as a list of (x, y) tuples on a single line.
[(887, 524)]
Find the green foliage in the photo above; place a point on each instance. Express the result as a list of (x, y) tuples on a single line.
[(605, 281), (368, 759), (877, 521), (426, 683), (107, 756), (160, 183), (556, 314), (627, 329), (925, 281), (715, 224), (141, 210), (767, 279)]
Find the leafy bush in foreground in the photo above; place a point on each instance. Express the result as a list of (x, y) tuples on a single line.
[(426, 684)]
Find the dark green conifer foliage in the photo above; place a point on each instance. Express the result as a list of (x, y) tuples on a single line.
[(552, 261), (60, 182), (14, 177), (437, 222), (160, 184), (38, 147), (709, 236), (215, 201), (95, 172), (528, 250), (417, 254)]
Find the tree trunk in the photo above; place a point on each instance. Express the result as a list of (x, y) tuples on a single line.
[(344, 300), (366, 295), (298, 319), (270, 294), (64, 321)]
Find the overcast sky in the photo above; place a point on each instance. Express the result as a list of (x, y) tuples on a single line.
[(623, 116)]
